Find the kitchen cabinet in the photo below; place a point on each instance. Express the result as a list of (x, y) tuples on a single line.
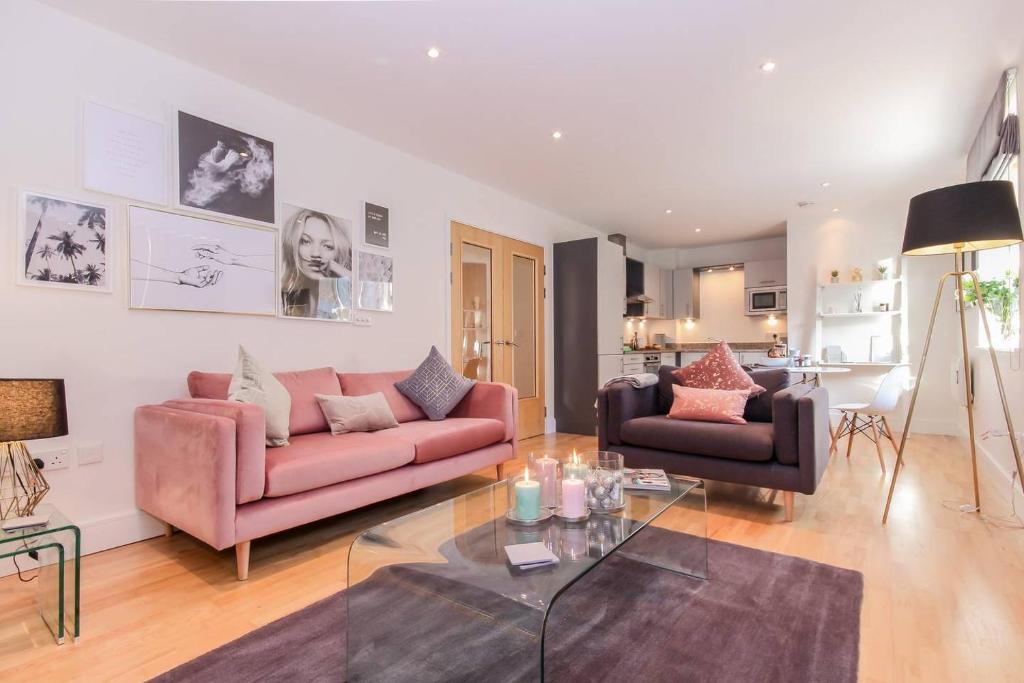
[(653, 285), (632, 363), (668, 358), (768, 273), (685, 294), (687, 357), (607, 368), (751, 357)]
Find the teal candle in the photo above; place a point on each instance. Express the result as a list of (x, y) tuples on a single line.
[(527, 499)]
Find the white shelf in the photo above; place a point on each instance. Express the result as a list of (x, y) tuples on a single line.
[(862, 314), (862, 283)]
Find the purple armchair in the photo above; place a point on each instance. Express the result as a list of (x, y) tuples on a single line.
[(784, 445)]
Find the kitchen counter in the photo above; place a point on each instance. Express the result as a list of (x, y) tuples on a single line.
[(698, 347)]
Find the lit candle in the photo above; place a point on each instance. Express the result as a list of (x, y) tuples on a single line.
[(548, 476), (527, 498), (574, 498), (574, 469)]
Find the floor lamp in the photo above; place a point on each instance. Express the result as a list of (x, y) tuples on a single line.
[(954, 220)]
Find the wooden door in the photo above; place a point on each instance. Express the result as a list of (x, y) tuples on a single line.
[(498, 316)]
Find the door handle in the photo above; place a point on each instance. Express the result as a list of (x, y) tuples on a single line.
[(510, 343)]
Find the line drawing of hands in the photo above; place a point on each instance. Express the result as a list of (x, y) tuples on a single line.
[(199, 276), (215, 252)]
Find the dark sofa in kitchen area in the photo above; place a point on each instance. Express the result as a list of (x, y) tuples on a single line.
[(783, 446)]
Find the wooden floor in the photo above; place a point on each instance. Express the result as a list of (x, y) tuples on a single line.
[(944, 591)]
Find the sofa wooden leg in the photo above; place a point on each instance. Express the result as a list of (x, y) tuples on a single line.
[(501, 471), (242, 560), (168, 530), (787, 501)]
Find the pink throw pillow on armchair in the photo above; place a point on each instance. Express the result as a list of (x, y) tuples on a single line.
[(718, 369), (709, 405)]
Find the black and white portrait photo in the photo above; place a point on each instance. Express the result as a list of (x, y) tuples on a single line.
[(316, 265), (224, 170), (187, 263), (376, 282), (63, 243)]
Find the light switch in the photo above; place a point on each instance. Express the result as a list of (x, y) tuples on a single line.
[(89, 453)]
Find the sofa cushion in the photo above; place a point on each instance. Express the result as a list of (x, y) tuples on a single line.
[(345, 414), (751, 442), (363, 383), (709, 405), (434, 440), (435, 386), (717, 369), (759, 408), (302, 386), (314, 460), (252, 384)]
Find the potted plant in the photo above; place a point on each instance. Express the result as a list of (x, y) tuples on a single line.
[(835, 276), (883, 271), (1001, 295)]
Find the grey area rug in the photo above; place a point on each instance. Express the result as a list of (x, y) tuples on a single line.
[(760, 617)]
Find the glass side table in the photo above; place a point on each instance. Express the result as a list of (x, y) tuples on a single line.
[(58, 547)]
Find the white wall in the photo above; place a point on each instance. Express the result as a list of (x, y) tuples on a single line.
[(114, 359)]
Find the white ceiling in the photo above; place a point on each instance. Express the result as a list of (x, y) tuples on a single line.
[(662, 102)]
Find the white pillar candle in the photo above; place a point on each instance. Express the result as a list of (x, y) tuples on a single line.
[(574, 499), (547, 473)]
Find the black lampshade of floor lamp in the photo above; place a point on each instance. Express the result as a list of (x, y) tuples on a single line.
[(955, 220), (29, 409)]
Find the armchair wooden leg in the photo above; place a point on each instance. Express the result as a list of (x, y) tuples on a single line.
[(787, 501), (501, 471), (168, 530), (838, 434), (242, 560), (853, 430)]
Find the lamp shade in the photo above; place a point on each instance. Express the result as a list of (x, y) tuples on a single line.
[(32, 409), (965, 217)]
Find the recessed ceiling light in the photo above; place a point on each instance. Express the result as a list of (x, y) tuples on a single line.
[(768, 67), (696, 230), (732, 267), (557, 135), (710, 269), (433, 53), (668, 210), (835, 210), (826, 184)]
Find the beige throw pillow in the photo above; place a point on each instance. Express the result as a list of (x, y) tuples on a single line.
[(252, 384), (357, 413)]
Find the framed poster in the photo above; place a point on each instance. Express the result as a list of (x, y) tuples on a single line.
[(188, 263), (62, 242), (376, 276), (224, 170), (123, 154), (316, 265), (376, 229)]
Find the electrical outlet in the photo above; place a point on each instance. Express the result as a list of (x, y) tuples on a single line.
[(54, 459), (89, 453)]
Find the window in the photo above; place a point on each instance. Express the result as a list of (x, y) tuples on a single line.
[(999, 269)]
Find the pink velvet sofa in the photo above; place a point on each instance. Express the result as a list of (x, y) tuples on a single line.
[(201, 464)]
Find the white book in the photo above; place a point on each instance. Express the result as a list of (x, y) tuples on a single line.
[(527, 555), (646, 480)]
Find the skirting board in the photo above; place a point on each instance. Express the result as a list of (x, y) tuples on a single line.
[(102, 534)]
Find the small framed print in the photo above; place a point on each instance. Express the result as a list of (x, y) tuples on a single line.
[(63, 242), (376, 279), (376, 229)]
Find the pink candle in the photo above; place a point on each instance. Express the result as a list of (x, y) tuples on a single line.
[(547, 474), (574, 499)]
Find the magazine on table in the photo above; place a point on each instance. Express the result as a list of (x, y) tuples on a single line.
[(646, 480)]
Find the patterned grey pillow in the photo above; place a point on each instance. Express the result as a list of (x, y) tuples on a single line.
[(434, 386)]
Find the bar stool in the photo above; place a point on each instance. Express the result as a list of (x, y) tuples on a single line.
[(859, 418)]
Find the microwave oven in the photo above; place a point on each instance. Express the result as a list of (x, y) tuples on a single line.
[(764, 300)]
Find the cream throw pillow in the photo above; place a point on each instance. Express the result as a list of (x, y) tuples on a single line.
[(357, 413), (252, 384)]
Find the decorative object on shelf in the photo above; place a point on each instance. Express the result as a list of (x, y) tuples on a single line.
[(883, 307), (376, 228), (883, 271), (64, 243), (856, 275), (953, 220), (375, 275), (881, 349), (123, 154), (188, 263), (858, 298), (835, 277), (833, 353), (29, 409), (604, 482), (224, 170), (316, 265)]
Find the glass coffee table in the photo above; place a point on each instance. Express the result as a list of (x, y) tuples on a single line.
[(432, 596)]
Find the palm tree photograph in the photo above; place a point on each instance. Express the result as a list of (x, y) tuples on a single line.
[(64, 243)]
